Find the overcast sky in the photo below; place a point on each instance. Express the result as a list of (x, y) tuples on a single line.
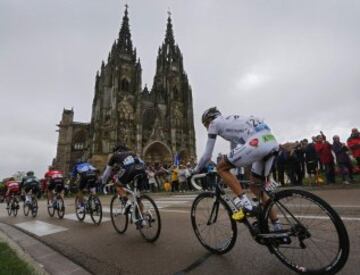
[(294, 63)]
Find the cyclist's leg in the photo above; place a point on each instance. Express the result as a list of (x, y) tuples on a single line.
[(257, 170), (50, 193), (223, 169)]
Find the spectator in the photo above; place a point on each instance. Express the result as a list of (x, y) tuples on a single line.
[(353, 143), (323, 148), (342, 159), (211, 175), (152, 181), (174, 179), (311, 159), (182, 179)]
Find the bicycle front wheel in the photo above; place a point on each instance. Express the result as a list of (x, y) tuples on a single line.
[(151, 223), (317, 241), (95, 210), (212, 223), (118, 214)]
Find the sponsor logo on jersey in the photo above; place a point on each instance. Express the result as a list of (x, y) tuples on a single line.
[(267, 138)]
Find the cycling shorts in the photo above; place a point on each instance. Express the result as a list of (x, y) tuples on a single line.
[(56, 184), (87, 180), (127, 174), (253, 151)]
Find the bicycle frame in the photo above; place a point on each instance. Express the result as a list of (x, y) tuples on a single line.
[(134, 194)]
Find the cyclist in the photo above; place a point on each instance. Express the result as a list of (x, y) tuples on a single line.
[(54, 179), (30, 183), (251, 140), (87, 179), (129, 166), (12, 187)]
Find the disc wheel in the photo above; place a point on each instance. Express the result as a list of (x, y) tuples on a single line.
[(318, 241), (60, 207), (50, 208), (118, 214), (34, 207), (151, 224), (212, 223), (79, 214), (95, 210), (26, 209)]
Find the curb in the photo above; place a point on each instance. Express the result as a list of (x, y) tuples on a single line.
[(41, 257)]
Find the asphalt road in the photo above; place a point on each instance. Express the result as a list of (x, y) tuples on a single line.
[(103, 251)]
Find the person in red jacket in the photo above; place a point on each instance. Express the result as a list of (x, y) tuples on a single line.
[(353, 143), (323, 149)]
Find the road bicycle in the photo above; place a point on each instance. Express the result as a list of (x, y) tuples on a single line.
[(57, 204), (91, 205), (312, 239), (139, 209), (13, 205), (31, 205)]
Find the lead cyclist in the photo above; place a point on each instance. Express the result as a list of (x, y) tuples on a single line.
[(251, 140)]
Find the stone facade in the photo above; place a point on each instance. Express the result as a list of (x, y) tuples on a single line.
[(156, 123)]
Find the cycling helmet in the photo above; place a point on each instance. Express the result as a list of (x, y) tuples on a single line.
[(30, 173), (120, 148), (209, 115)]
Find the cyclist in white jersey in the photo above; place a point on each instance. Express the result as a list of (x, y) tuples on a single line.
[(251, 140)]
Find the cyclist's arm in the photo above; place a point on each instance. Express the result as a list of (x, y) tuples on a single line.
[(206, 157)]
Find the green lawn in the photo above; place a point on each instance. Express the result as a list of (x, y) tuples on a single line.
[(10, 264)]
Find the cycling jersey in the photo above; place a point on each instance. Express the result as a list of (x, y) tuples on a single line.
[(55, 179), (129, 163), (249, 137), (87, 172), (12, 187)]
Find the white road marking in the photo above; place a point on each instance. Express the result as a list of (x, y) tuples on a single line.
[(40, 228), (175, 211), (332, 205), (323, 217), (87, 219)]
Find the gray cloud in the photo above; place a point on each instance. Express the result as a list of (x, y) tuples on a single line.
[(295, 63)]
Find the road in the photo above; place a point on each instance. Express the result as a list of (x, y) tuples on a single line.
[(103, 251)]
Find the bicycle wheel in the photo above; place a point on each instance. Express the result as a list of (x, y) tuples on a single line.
[(15, 207), (212, 223), (318, 242), (50, 208), (26, 209), (80, 213), (95, 210), (60, 207), (34, 207), (9, 207), (151, 223), (118, 214)]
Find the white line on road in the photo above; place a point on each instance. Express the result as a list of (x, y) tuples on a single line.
[(40, 228), (323, 217), (87, 219)]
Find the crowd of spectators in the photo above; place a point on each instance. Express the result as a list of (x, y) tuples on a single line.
[(318, 157)]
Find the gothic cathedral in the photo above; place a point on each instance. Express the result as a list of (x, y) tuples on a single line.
[(157, 124)]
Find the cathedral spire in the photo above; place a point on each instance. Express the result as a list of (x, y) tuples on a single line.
[(169, 37), (125, 43)]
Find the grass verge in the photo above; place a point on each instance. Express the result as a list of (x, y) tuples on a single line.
[(11, 264)]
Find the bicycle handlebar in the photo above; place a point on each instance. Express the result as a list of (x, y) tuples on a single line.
[(198, 176)]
